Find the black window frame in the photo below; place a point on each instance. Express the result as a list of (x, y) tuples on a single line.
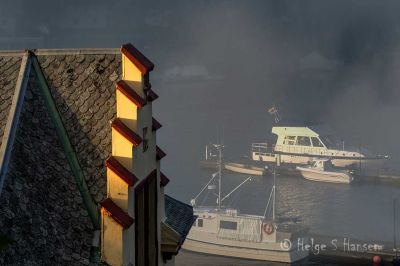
[(199, 222), (230, 225)]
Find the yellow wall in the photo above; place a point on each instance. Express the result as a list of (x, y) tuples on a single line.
[(122, 149), (118, 245), (117, 190), (111, 240), (129, 71), (126, 111)]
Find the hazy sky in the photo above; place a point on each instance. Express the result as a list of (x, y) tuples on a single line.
[(225, 62)]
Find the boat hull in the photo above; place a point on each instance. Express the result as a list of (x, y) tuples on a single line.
[(244, 169), (366, 166), (276, 253), (325, 176)]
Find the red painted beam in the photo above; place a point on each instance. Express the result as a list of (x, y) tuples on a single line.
[(113, 164), (125, 131), (126, 90), (151, 95), (117, 213), (137, 58), (163, 179), (160, 153), (155, 124)]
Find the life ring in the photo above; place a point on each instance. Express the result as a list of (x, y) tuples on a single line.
[(268, 228)]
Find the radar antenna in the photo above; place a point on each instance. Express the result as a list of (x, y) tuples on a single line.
[(274, 112)]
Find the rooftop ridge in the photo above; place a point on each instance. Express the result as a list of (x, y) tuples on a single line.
[(61, 51), (13, 52), (76, 51)]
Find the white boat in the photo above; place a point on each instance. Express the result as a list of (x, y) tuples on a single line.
[(223, 231), (299, 145), (323, 170), (245, 169)]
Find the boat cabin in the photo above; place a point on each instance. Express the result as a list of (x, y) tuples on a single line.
[(233, 226), (323, 165)]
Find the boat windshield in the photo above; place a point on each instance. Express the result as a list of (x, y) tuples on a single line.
[(331, 141)]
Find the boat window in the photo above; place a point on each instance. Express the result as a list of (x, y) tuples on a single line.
[(289, 140), (228, 225), (331, 141), (315, 142), (303, 141), (200, 222)]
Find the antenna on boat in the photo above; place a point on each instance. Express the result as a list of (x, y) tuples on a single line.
[(274, 112), (394, 229), (273, 203), (219, 148)]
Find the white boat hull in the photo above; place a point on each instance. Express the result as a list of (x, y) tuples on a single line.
[(243, 169), (325, 176), (271, 251), (364, 164)]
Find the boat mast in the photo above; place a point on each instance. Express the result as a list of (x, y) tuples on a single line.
[(273, 203), (394, 228), (219, 174), (272, 196)]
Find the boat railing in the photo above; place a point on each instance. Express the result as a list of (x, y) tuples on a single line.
[(300, 149), (262, 148)]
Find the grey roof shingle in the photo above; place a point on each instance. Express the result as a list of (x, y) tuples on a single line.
[(42, 206), (83, 87), (179, 216), (43, 210), (9, 70)]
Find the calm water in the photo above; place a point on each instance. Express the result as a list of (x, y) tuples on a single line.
[(361, 211)]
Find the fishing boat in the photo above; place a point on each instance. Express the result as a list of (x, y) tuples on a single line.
[(322, 170), (224, 231)]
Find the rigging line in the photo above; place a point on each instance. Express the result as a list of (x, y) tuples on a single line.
[(235, 197), (213, 176), (236, 188), (269, 200)]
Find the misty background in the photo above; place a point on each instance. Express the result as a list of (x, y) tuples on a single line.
[(221, 64)]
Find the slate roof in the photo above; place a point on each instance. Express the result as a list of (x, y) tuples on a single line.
[(179, 216), (41, 208), (40, 204), (9, 70)]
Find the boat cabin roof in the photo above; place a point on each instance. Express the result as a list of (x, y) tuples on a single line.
[(307, 131)]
